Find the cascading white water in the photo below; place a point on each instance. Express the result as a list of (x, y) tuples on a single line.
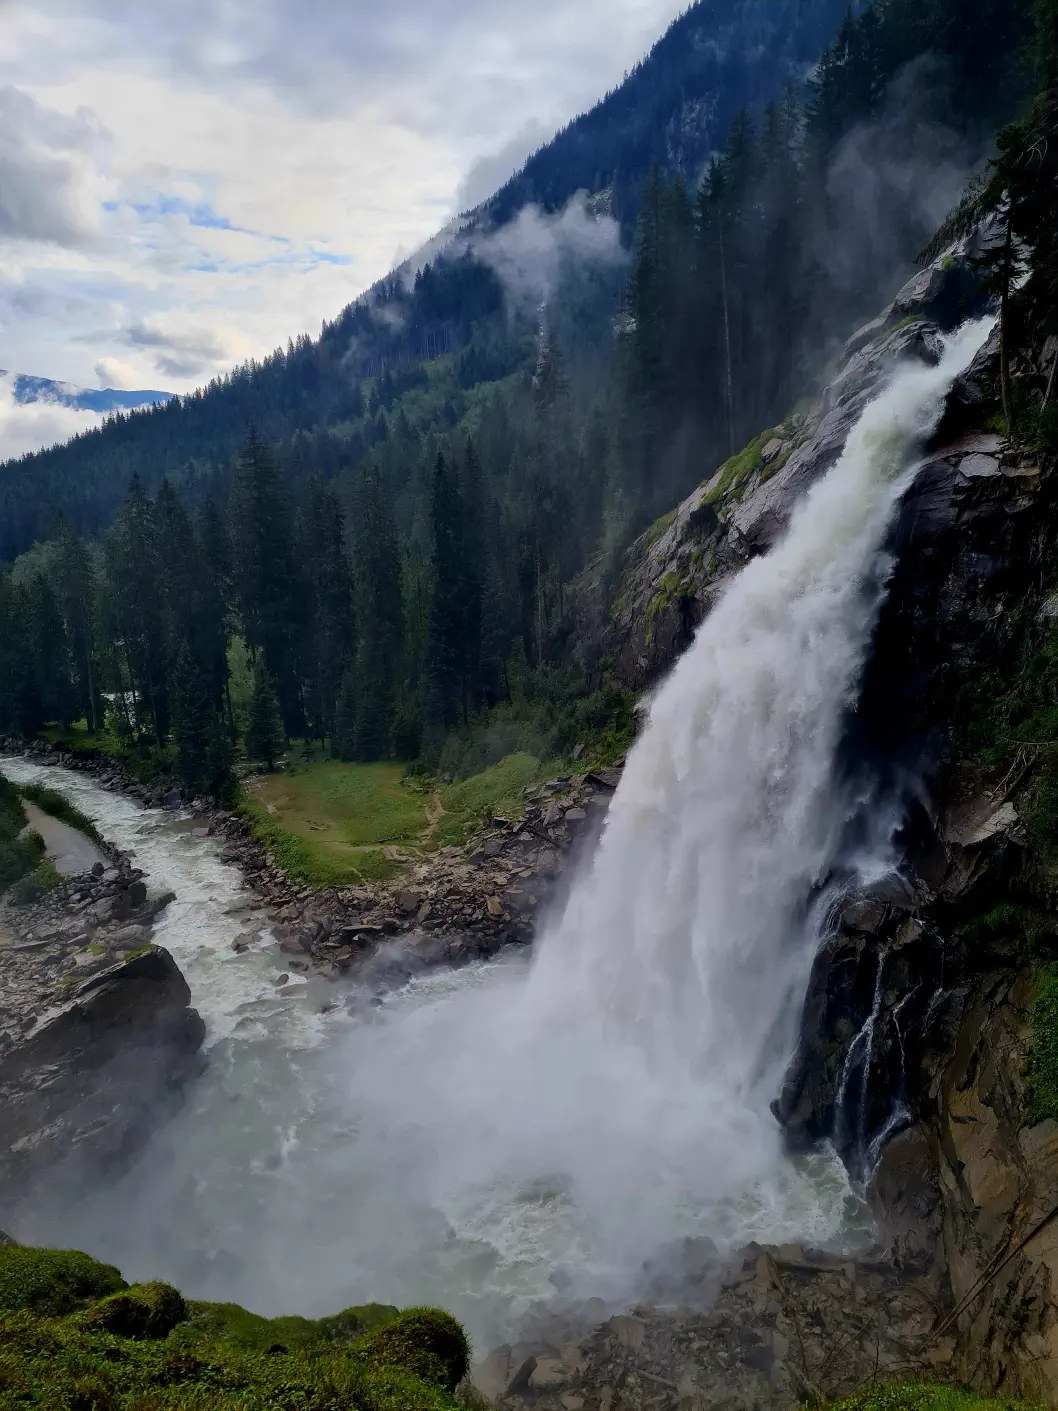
[(488, 1135)]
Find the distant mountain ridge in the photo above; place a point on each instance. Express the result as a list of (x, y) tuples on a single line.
[(93, 399)]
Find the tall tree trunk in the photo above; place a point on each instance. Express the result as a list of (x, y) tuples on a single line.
[(231, 713), (727, 338), (1004, 324), (91, 680)]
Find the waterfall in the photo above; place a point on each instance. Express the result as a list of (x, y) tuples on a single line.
[(484, 1137)]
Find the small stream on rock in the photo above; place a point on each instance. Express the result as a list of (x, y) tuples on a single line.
[(514, 1134)]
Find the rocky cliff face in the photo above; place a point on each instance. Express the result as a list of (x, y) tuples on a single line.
[(917, 1045)]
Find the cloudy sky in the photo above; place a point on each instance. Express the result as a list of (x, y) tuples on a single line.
[(185, 183)]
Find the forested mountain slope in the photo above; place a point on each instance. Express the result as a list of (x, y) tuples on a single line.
[(674, 108), (395, 542)]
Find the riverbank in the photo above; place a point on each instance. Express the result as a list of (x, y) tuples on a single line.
[(442, 907)]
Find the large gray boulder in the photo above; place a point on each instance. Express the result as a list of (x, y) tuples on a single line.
[(83, 1088)]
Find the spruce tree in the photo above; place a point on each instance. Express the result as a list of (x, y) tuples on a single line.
[(77, 588), (265, 579), (192, 721), (264, 731), (446, 636), (136, 603), (328, 600), (379, 616)]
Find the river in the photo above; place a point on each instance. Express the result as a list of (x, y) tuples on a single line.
[(279, 1187)]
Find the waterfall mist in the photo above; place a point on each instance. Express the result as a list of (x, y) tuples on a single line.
[(486, 1137)]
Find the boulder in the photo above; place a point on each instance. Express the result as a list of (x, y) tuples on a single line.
[(89, 1082)]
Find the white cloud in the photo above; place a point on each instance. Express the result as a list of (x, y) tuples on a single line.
[(113, 372), (529, 253), (26, 426), (45, 171)]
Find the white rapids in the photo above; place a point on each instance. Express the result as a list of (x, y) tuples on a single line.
[(485, 1137)]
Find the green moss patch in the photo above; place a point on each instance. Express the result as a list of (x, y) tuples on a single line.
[(911, 1396), (36, 884), (50, 801), (229, 1323), (730, 481), (424, 1341), (18, 854), (658, 528), (52, 1282), (142, 1311)]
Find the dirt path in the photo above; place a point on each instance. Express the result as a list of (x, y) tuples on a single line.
[(70, 851)]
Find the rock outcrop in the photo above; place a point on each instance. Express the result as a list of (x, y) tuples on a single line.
[(97, 1034)]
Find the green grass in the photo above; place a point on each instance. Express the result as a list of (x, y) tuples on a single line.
[(43, 879), (326, 823), (329, 820), (50, 801), (912, 1396), (18, 854), (75, 1337), (498, 790)]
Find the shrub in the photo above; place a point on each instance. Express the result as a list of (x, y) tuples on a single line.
[(40, 881)]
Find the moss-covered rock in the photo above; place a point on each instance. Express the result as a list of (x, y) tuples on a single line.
[(142, 1311), (228, 1322), (423, 1340), (52, 1282)]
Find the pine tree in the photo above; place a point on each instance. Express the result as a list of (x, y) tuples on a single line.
[(329, 608), (214, 595), (446, 639), (343, 741), (136, 604), (264, 731), (379, 616), (21, 708), (77, 587), (192, 721), (264, 577), (550, 388)]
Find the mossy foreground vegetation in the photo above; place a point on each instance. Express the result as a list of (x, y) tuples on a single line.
[(75, 1337), (910, 1396)]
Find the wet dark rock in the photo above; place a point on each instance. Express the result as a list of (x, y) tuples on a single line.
[(85, 1085)]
